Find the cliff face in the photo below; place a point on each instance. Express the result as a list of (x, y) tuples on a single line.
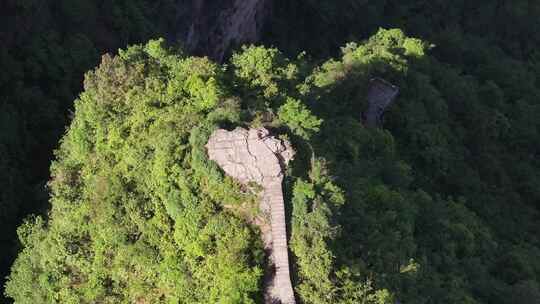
[(210, 28), (380, 95)]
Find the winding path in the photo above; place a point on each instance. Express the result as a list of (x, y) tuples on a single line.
[(255, 156)]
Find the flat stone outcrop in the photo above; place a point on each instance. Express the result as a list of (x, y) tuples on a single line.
[(255, 156)]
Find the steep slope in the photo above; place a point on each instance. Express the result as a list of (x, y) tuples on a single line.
[(137, 211), (211, 28)]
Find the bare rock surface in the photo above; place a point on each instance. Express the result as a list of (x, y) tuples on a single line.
[(380, 95), (255, 156), (211, 27)]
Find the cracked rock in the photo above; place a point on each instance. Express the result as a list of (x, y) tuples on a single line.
[(255, 156)]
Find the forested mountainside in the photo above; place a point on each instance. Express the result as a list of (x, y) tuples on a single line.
[(47, 46), (440, 205)]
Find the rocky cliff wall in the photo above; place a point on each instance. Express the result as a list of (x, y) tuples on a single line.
[(211, 27)]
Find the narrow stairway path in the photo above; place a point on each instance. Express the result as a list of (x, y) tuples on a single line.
[(255, 156)]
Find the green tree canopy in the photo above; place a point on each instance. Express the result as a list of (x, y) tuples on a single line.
[(437, 207)]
